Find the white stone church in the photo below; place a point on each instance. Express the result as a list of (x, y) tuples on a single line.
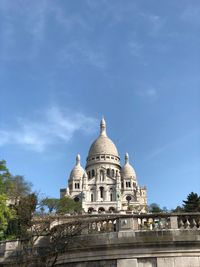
[(104, 185)]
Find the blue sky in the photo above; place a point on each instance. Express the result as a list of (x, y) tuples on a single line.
[(64, 64)]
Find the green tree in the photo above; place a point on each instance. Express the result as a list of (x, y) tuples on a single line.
[(154, 208), (178, 209), (6, 214), (19, 226), (68, 205), (13, 186), (51, 204), (15, 199), (5, 177), (192, 203), (19, 187)]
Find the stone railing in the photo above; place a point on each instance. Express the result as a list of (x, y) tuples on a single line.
[(102, 225), (142, 222), (100, 228), (168, 221)]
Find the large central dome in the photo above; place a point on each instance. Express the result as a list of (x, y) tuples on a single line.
[(103, 145)]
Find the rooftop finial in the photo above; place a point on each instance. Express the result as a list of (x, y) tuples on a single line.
[(78, 159), (126, 158), (103, 127)]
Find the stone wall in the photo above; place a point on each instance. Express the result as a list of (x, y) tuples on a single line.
[(147, 262), (126, 242)]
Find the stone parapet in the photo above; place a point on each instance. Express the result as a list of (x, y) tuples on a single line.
[(145, 240)]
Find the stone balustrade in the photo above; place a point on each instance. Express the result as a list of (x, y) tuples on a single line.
[(142, 222), (118, 237), (100, 223)]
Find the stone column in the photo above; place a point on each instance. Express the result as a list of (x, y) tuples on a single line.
[(135, 224), (97, 195), (124, 224), (127, 263), (174, 221)]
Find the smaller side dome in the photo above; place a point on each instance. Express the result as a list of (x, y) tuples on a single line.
[(127, 170), (77, 172)]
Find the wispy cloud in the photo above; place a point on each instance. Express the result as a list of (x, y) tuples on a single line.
[(54, 126), (191, 14), (154, 23), (75, 53), (147, 93), (171, 145), (135, 48), (69, 21), (23, 25)]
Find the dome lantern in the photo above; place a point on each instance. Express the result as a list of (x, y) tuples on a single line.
[(103, 127), (78, 160), (126, 158)]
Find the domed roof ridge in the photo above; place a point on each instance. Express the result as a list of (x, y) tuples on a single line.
[(127, 170), (103, 144), (77, 171)]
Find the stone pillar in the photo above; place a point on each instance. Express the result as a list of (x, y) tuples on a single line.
[(174, 221), (127, 263), (135, 224), (97, 195), (106, 198), (124, 224)]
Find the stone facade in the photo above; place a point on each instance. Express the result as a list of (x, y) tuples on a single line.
[(104, 185)]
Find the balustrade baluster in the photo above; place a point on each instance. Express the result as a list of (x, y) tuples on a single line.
[(181, 224), (187, 224), (194, 224), (198, 223)]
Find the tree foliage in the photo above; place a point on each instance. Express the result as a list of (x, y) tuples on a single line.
[(5, 177), (61, 206), (68, 205), (154, 208), (6, 214), (17, 203), (192, 203), (50, 203)]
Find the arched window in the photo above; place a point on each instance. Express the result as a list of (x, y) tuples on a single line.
[(101, 191), (92, 197), (77, 185), (101, 175), (111, 197), (108, 172), (116, 173), (89, 175), (113, 173), (93, 173)]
